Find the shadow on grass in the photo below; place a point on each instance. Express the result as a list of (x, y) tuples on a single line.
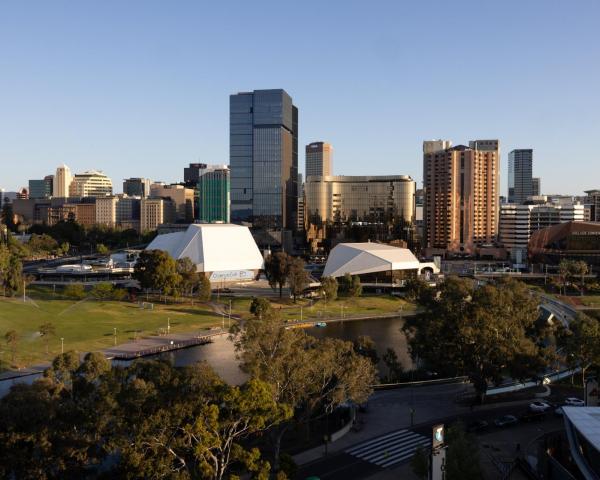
[(190, 311)]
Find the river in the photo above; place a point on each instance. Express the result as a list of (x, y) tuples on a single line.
[(220, 354)]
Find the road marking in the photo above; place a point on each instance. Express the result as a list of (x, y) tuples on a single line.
[(390, 449)]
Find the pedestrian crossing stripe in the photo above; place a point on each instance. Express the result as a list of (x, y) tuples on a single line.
[(390, 449)]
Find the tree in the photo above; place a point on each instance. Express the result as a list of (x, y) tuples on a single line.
[(276, 270), (102, 249), (365, 346), (390, 358), (103, 291), (156, 270), (47, 330), (415, 288), (479, 332), (312, 376), (581, 342), (188, 274), (12, 340), (11, 270), (204, 288), (75, 291), (260, 307), (462, 458), (329, 288), (7, 216), (420, 463), (297, 276), (351, 286)]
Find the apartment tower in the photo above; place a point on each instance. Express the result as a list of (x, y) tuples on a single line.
[(460, 194), (62, 182)]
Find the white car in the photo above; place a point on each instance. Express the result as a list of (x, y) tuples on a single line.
[(574, 402), (539, 406)]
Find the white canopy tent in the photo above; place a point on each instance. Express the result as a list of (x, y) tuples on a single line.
[(362, 258), (222, 249)]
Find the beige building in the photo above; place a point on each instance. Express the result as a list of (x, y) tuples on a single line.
[(106, 211), (62, 182), (319, 159), (82, 213), (461, 194), (90, 184), (182, 197), (154, 211)]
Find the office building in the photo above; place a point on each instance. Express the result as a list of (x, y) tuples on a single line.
[(520, 181), (41, 188), (82, 213), (519, 222), (62, 182), (136, 187), (213, 187), (301, 203), (182, 197), (461, 195), (193, 172), (264, 159), (23, 194), (536, 186), (319, 159), (90, 184), (593, 200), (154, 211)]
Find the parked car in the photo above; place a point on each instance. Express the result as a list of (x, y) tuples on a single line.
[(477, 426), (539, 406), (506, 421), (574, 402)]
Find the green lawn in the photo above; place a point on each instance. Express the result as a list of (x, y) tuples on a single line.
[(590, 300), (319, 309), (88, 325)]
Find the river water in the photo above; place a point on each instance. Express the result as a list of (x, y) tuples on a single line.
[(220, 354)]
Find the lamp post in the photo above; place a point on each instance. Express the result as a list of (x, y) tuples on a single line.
[(300, 313), (62, 345), (229, 313), (168, 325), (223, 320), (115, 334)]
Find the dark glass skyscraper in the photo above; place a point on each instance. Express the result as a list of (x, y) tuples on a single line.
[(263, 151), (520, 182)]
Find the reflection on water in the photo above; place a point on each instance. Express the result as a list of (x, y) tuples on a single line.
[(385, 332)]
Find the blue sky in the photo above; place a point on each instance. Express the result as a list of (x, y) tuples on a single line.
[(140, 88)]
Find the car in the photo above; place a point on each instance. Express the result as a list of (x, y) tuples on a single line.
[(477, 426), (574, 402), (539, 406), (506, 421)]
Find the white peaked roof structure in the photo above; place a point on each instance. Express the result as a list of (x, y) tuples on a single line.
[(214, 247), (361, 258)]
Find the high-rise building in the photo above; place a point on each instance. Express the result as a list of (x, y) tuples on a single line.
[(593, 200), (192, 174), (264, 159), (213, 188), (518, 222), (536, 186), (90, 184), (136, 187), (460, 194), (300, 223), (319, 159), (182, 197), (520, 181), (62, 182), (41, 188), (155, 211)]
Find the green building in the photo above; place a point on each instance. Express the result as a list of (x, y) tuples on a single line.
[(213, 195)]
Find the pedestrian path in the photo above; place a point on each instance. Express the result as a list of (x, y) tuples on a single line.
[(391, 449)]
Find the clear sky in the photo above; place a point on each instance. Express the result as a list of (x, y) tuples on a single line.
[(141, 88)]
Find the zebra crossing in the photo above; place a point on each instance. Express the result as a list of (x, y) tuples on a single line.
[(391, 449)]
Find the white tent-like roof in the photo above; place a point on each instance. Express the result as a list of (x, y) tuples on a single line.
[(214, 247), (360, 258)]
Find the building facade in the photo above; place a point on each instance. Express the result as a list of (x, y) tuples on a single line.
[(519, 222), (213, 187), (182, 197), (593, 200), (155, 211), (41, 188), (461, 198), (536, 186), (136, 187), (90, 184), (62, 182), (319, 159), (264, 159), (520, 180)]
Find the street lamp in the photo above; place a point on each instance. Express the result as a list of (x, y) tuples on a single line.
[(223, 320), (229, 313), (62, 345), (168, 325), (115, 334)]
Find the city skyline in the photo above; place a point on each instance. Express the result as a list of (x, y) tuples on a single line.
[(147, 93)]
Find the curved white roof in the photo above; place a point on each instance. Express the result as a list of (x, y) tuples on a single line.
[(359, 258), (214, 247)]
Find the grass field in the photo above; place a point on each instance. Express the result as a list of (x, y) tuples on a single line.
[(88, 325), (318, 309)]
